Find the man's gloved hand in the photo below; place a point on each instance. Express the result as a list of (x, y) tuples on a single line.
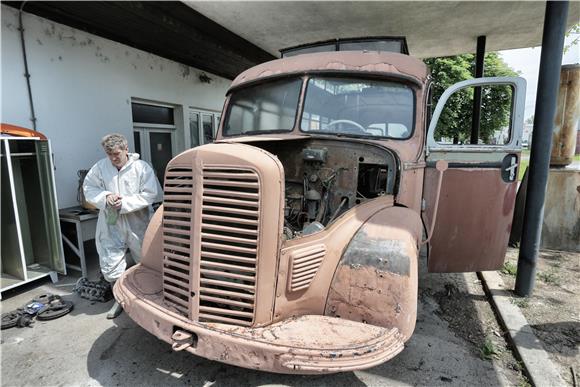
[(114, 200)]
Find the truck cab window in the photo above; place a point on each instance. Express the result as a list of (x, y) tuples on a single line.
[(262, 108), (358, 107)]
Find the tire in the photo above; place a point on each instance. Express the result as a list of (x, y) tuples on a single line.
[(46, 298), (55, 310), (10, 319)]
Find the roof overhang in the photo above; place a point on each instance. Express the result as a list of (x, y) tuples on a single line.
[(169, 29), (226, 38), (432, 28)]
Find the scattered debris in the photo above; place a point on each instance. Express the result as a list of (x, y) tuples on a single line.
[(94, 290), (43, 307)]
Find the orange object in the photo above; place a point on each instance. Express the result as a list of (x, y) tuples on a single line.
[(19, 131)]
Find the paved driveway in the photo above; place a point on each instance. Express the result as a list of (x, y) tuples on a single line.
[(84, 348)]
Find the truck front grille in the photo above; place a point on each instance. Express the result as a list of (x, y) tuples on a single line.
[(177, 206), (230, 226)]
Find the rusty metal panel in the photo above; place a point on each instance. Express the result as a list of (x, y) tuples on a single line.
[(473, 221), (567, 115), (376, 279), (222, 222)]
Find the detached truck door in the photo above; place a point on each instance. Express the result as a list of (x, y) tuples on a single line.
[(478, 190)]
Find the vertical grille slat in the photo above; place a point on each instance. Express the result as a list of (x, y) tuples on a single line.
[(177, 205)]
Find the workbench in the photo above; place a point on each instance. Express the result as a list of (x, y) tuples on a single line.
[(85, 224)]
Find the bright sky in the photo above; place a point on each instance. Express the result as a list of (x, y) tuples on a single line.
[(527, 62)]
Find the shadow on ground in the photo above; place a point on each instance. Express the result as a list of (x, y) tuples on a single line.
[(444, 350), (562, 338)]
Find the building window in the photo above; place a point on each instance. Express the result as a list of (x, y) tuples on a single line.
[(152, 114), (154, 134), (203, 125)]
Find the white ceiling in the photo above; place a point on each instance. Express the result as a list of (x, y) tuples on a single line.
[(431, 28)]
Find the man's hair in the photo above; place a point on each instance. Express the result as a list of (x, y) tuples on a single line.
[(112, 141)]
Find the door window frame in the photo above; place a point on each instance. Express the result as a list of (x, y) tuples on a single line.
[(517, 121)]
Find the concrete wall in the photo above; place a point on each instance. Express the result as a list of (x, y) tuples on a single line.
[(82, 88), (561, 225)]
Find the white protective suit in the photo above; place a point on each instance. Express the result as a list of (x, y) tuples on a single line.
[(137, 184)]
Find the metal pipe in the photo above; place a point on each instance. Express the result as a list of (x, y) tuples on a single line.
[(479, 65), (441, 167), (26, 73), (342, 203), (548, 83)]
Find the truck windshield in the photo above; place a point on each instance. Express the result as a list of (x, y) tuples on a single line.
[(263, 108), (358, 107)]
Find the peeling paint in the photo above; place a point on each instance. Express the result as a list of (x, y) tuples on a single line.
[(376, 280)]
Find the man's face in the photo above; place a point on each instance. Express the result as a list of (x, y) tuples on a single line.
[(118, 156)]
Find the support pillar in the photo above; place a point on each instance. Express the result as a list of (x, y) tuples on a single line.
[(479, 65), (548, 83)]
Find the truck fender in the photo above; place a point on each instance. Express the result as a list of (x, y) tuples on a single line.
[(152, 248), (375, 281)]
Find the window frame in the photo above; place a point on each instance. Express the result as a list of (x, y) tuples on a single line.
[(297, 112)]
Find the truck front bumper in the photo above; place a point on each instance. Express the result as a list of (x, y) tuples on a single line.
[(302, 345)]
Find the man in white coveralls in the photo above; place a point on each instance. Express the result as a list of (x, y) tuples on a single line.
[(123, 188)]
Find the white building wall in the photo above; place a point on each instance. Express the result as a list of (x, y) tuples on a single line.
[(82, 86)]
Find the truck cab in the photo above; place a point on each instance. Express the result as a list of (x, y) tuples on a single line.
[(291, 243)]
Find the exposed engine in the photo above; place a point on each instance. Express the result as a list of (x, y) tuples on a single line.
[(324, 178)]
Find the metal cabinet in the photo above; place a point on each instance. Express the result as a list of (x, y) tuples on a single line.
[(31, 244)]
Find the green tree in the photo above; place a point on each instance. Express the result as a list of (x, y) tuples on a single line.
[(496, 101)]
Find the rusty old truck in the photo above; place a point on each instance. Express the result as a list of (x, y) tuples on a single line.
[(291, 243)]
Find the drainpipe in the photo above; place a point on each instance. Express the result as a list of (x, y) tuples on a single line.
[(548, 83), (475, 117), (26, 73)]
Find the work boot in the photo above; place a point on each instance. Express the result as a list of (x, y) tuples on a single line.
[(115, 310)]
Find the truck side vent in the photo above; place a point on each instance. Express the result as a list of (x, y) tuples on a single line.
[(230, 227), (178, 190), (305, 263)]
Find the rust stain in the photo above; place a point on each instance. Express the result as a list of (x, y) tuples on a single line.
[(567, 115), (376, 281)]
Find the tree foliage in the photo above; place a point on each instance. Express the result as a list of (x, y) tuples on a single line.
[(455, 121)]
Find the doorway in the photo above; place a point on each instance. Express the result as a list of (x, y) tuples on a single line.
[(154, 135)]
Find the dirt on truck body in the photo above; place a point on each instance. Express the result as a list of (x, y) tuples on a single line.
[(291, 243)]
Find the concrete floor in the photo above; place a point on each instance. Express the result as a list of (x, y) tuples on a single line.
[(84, 348)]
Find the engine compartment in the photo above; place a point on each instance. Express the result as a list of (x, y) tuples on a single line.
[(326, 177)]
